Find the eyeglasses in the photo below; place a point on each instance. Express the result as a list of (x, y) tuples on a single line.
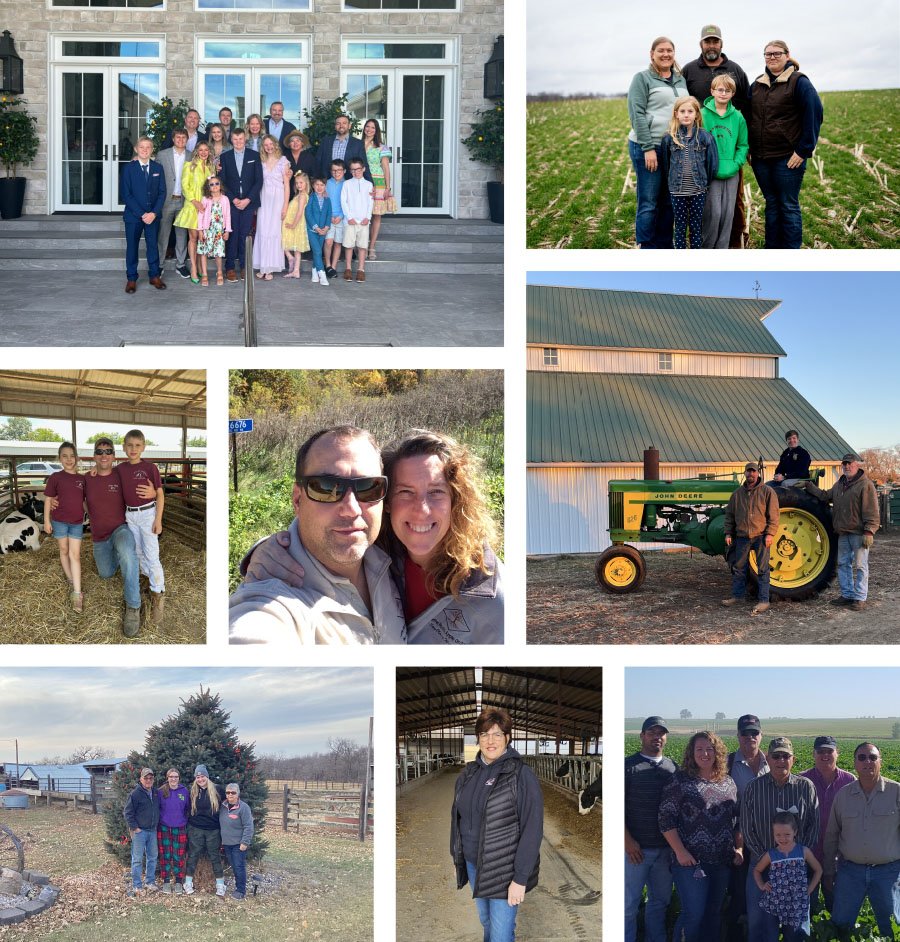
[(330, 489), (749, 735), (773, 55), (491, 736), (867, 758), (103, 451), (357, 170)]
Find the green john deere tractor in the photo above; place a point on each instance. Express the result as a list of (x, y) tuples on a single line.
[(692, 512)]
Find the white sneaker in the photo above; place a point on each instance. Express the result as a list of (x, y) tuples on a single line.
[(315, 276), (322, 279), (189, 888), (220, 889)]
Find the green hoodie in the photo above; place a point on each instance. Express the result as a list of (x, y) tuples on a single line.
[(730, 133)]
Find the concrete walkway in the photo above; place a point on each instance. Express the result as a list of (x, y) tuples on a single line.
[(565, 904), (90, 308)]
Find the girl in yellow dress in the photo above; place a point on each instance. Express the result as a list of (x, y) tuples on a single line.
[(193, 176), (293, 230)]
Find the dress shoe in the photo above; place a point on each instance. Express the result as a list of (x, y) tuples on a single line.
[(360, 276), (231, 275), (130, 287), (157, 282), (348, 275)]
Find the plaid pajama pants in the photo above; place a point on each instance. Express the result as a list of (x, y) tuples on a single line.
[(173, 845)]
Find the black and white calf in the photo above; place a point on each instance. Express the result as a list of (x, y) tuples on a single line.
[(19, 533), (589, 796)]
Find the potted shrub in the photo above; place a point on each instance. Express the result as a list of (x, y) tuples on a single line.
[(18, 145), (163, 118), (320, 120), (485, 145)]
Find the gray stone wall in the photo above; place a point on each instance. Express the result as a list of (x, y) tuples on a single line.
[(477, 23)]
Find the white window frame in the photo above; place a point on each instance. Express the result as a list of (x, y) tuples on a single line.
[(451, 52), (346, 9), (665, 363), (551, 356), (160, 9), (58, 58), (253, 10)]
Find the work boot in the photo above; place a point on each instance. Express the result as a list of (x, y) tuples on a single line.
[(131, 626), (857, 606), (157, 607), (731, 601), (842, 600), (759, 608)]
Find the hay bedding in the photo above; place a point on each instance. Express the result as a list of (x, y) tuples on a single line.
[(36, 608)]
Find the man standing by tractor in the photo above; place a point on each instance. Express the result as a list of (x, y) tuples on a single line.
[(751, 521), (793, 465), (855, 519)]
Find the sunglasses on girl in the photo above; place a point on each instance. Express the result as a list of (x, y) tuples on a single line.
[(330, 489)]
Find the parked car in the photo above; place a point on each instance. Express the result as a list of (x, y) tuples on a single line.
[(36, 471)]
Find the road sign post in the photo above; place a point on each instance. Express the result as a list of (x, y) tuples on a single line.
[(235, 426)]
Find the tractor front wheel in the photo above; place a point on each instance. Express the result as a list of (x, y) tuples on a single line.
[(620, 569)]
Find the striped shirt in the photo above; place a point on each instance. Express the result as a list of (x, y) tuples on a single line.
[(645, 779), (763, 799)]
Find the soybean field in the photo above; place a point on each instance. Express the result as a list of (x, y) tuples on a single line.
[(580, 192)]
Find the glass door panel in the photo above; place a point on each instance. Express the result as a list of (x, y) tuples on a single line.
[(286, 87), (221, 89), (82, 136), (367, 97), (136, 94), (421, 158)]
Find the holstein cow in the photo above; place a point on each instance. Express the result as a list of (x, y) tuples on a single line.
[(587, 797), (18, 533), (32, 507)]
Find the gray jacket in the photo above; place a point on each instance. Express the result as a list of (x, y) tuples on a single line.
[(166, 157), (327, 610), (235, 824)]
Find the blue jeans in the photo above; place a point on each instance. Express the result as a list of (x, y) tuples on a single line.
[(118, 552), (496, 915), (854, 882), (743, 546), (316, 243), (238, 860), (701, 901), (781, 191), (654, 219), (761, 926), (852, 554), (66, 531), (654, 872), (143, 842)]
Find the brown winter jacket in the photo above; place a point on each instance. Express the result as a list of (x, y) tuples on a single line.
[(855, 504), (752, 511)]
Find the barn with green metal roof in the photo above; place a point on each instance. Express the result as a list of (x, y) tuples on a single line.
[(611, 373)]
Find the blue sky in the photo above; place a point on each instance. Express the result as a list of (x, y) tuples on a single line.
[(840, 330), (770, 691), (51, 711), (164, 437), (598, 45)]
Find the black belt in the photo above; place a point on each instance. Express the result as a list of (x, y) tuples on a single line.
[(142, 507)]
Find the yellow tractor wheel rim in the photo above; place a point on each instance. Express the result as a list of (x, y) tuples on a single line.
[(799, 551), (620, 571)]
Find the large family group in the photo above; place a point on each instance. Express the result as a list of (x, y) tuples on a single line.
[(217, 187), (693, 129), (744, 824)]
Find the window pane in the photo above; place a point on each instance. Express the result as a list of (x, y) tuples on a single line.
[(73, 130), (396, 50), (253, 4), (433, 148), (93, 94), (411, 194), (72, 93), (412, 141), (222, 50), (412, 96), (433, 181), (110, 50), (434, 96)]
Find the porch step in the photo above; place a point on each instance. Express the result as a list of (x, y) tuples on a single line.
[(405, 245)]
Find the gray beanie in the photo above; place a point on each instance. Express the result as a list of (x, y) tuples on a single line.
[(201, 770)]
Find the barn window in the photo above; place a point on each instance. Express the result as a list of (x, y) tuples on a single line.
[(665, 362), (551, 356)]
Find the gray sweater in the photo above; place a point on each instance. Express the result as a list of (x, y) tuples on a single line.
[(236, 824)]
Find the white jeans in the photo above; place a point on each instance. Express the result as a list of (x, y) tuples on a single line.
[(146, 542)]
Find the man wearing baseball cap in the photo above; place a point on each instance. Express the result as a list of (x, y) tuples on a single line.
[(828, 780), (751, 522), (854, 518), (142, 817), (778, 790), (647, 855)]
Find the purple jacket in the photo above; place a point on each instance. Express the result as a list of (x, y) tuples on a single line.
[(174, 810)]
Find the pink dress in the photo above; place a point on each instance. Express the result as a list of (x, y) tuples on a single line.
[(268, 255)]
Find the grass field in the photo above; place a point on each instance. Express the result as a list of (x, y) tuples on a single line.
[(578, 164)]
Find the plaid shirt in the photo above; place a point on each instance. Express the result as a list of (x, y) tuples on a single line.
[(339, 148)]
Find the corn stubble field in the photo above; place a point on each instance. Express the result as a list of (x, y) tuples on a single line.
[(580, 192)]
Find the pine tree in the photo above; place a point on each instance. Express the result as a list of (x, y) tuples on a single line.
[(198, 734)]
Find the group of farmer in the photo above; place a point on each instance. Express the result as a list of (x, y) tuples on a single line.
[(693, 129), (743, 823), (752, 516), (176, 826)]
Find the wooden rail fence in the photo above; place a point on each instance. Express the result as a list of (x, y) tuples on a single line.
[(340, 809)]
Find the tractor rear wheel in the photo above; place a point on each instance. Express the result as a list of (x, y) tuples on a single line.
[(803, 554), (620, 569)]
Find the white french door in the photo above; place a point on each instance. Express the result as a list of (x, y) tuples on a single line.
[(414, 107), (99, 113), (250, 90)]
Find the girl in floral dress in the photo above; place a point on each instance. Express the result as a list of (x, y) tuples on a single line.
[(214, 222), (378, 157), (787, 891), (294, 239)]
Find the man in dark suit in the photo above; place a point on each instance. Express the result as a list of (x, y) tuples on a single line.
[(242, 176), (194, 134), (276, 125), (341, 146), (143, 188)]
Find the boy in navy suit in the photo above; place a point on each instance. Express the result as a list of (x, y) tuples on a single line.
[(242, 178), (144, 193)]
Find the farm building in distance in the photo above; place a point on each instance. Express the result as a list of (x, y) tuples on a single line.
[(611, 373), (75, 779)]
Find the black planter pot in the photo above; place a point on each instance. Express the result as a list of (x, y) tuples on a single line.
[(495, 201), (12, 197)]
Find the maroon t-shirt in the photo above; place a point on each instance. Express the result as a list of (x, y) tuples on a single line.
[(144, 472), (418, 596), (106, 506), (69, 488)]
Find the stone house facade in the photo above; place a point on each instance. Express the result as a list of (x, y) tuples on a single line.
[(91, 71)]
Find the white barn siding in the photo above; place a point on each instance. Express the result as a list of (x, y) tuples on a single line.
[(592, 360)]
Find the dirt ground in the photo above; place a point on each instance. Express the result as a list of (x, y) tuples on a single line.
[(566, 903), (680, 603)]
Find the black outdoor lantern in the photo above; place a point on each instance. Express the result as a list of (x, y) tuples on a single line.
[(12, 77), (493, 72)]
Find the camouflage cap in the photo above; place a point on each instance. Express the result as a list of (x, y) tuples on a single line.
[(780, 744)]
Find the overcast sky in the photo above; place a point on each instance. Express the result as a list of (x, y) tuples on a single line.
[(598, 46), (837, 329), (789, 692), (292, 710)]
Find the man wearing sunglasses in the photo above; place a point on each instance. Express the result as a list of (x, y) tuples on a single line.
[(863, 829), (348, 595)]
